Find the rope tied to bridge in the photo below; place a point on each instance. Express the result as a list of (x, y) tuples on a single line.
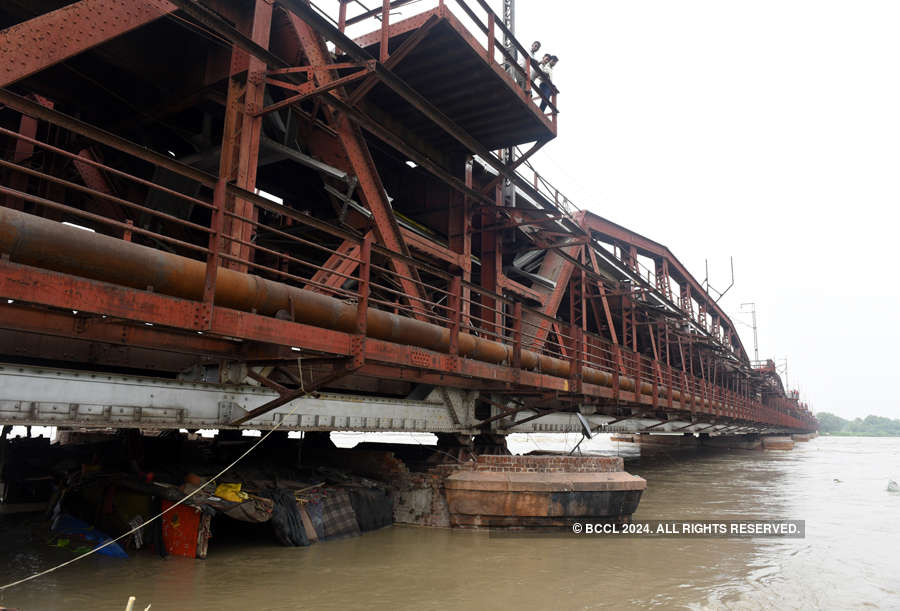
[(167, 510)]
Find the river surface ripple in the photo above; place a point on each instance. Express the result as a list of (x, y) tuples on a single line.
[(849, 559)]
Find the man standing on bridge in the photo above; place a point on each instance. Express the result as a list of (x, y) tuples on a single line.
[(546, 86), (523, 64)]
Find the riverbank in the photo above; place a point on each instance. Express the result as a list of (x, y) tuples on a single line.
[(857, 434)]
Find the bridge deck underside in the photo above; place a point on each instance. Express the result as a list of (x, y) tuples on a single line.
[(92, 400), (449, 69)]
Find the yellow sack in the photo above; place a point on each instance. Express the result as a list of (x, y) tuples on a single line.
[(231, 492)]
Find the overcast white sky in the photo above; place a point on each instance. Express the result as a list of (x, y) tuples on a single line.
[(768, 131)]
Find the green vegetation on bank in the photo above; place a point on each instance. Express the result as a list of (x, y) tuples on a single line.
[(870, 426)]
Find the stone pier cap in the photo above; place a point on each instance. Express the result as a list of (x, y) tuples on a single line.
[(544, 482), (526, 491)]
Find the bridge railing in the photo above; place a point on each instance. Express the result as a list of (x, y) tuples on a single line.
[(102, 183), (544, 187), (476, 16)]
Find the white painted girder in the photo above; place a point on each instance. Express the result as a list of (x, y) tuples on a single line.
[(52, 397), (568, 422), (47, 397)]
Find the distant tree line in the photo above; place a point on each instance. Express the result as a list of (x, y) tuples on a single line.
[(870, 425)]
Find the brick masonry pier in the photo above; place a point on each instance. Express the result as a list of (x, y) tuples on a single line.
[(519, 491)]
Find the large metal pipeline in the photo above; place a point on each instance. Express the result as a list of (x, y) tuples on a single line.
[(35, 241)]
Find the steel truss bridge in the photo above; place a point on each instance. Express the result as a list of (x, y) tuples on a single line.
[(221, 213)]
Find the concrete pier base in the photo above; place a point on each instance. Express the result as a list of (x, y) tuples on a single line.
[(733, 442), (777, 443), (528, 491), (651, 443), (802, 437)]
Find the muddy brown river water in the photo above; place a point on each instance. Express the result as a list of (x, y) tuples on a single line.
[(850, 557)]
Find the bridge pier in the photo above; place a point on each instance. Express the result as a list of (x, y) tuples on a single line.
[(651, 443), (751, 441), (773, 442)]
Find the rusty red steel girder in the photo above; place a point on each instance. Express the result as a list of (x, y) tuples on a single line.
[(30, 240), (357, 152), (669, 265), (222, 298), (24, 48)]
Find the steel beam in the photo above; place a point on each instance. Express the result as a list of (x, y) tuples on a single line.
[(46, 40), (636, 243), (299, 12), (371, 189), (558, 269), (52, 397)]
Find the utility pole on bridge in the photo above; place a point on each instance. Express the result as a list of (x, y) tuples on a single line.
[(509, 20), (755, 342)]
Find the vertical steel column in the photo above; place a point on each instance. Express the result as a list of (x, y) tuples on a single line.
[(460, 240), (24, 149), (490, 37), (610, 323), (654, 348), (362, 305), (491, 263), (365, 266), (631, 259), (454, 301), (670, 386), (251, 125), (575, 371), (528, 93), (385, 34), (686, 305), (629, 332), (662, 341), (517, 335), (553, 115), (241, 137), (215, 238), (216, 223), (342, 16), (662, 278), (18, 181), (637, 375)]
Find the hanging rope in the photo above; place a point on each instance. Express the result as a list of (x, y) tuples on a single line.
[(162, 513)]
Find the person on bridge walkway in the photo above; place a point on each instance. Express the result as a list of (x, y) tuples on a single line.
[(546, 86), (523, 64)]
